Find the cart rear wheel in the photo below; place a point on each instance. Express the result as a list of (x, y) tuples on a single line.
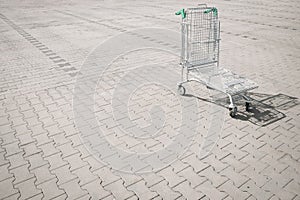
[(247, 105), (232, 111), (181, 90)]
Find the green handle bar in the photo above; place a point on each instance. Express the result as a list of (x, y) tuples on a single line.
[(181, 12), (214, 10)]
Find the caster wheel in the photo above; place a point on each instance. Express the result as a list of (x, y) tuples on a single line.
[(247, 105), (232, 111), (181, 90)]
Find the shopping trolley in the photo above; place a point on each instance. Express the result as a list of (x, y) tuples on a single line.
[(200, 30)]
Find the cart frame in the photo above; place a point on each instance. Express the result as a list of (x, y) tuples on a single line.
[(200, 50)]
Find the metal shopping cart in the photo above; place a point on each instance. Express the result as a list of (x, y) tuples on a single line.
[(200, 29)]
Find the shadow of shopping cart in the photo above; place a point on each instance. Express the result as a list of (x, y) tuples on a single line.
[(267, 108)]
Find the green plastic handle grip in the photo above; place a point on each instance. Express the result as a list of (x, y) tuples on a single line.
[(181, 12), (214, 10)]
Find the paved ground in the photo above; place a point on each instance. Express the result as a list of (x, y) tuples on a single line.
[(44, 155)]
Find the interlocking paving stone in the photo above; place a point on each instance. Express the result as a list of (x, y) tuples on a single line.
[(42, 153), (209, 190), (273, 187), (237, 178), (16, 160), (42, 174), (22, 173), (85, 175), (152, 179), (36, 161), (142, 191), (118, 190), (75, 161), (194, 178), (73, 189), (233, 191), (107, 177), (56, 161), (171, 177), (96, 190), (7, 188), (50, 189), (292, 187), (63, 174), (4, 173), (256, 191), (164, 191), (188, 192), (28, 189)]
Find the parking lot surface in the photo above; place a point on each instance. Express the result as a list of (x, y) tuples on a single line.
[(51, 53)]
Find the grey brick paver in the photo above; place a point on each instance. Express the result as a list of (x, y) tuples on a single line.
[(259, 179), (152, 179), (237, 165), (215, 178), (42, 174), (48, 149), (293, 187), (208, 189), (237, 152), (118, 190), (75, 161), (36, 161), (7, 188), (50, 189), (12, 148), (28, 189), (25, 139), (3, 161), (277, 190), (67, 149), (59, 139), (195, 163), (111, 197), (129, 179), (85, 175), (56, 161), (142, 191), (193, 178), (13, 197), (276, 164), (188, 192), (93, 163), (237, 178), (279, 177), (22, 173), (171, 177), (73, 189), (63, 174), (254, 190), (291, 162), (214, 162), (254, 162), (106, 176), (164, 191), (16, 160), (4, 173), (96, 190), (230, 188), (8, 138), (21, 129)]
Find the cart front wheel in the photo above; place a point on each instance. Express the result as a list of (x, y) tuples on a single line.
[(232, 111), (247, 105), (181, 90)]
